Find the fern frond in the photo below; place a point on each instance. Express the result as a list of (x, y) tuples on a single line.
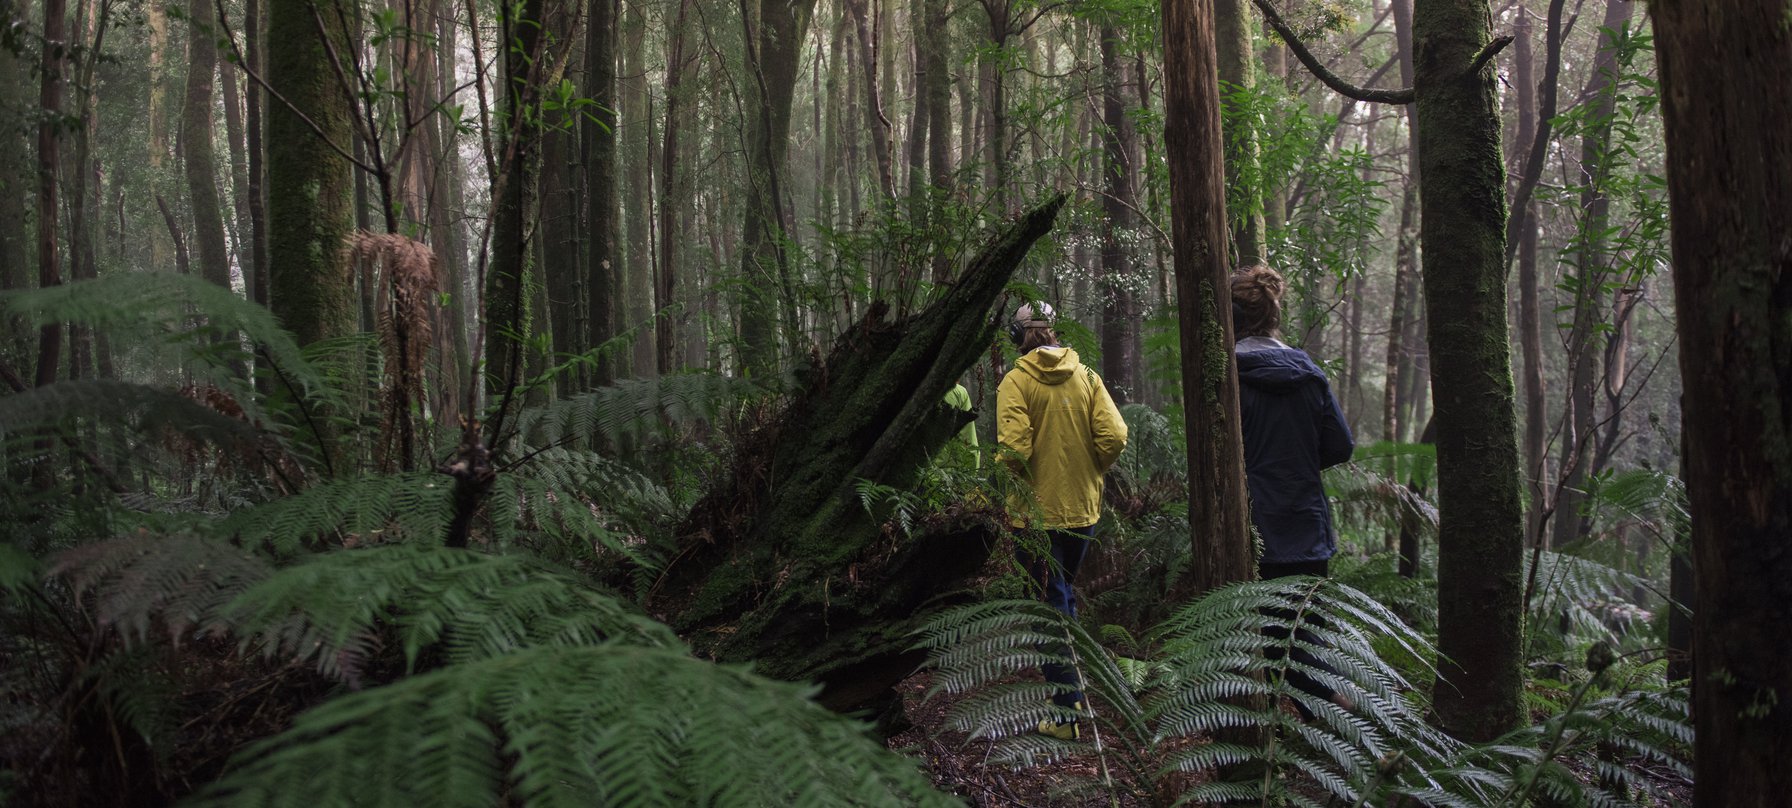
[(607, 725), (628, 411), (377, 508), (146, 411), (178, 580), (156, 307), (329, 609)]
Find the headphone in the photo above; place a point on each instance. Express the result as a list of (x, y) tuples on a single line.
[(1030, 315)]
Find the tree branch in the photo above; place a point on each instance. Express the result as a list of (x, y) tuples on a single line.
[(1319, 71)]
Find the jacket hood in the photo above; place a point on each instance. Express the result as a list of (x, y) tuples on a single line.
[(1051, 364), (1271, 366)]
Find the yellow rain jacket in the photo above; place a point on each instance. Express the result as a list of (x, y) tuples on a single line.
[(1056, 417)]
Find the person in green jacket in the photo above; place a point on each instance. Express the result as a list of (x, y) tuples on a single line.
[(1058, 429)]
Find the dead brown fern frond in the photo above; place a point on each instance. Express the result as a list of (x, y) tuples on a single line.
[(407, 285)]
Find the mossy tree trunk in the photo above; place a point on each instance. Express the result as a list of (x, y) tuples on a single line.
[(514, 210), (1724, 72), (781, 564), (1218, 515), (1462, 230), (309, 185)]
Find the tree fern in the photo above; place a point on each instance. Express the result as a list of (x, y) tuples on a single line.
[(177, 580), (352, 510), (153, 307), (629, 411), (147, 412), (609, 725), (1208, 699), (332, 609)]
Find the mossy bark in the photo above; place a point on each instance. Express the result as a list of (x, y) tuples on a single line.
[(514, 212), (1724, 71), (1462, 231), (781, 565), (1237, 63), (1218, 514), (308, 181)]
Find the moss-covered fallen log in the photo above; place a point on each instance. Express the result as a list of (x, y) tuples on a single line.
[(780, 564)]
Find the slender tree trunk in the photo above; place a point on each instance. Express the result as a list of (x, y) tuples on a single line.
[(49, 256), (675, 197), (600, 153), (445, 233), (636, 304), (935, 44), (254, 140), (1218, 516), (1724, 69), (1530, 317), (1462, 226), (239, 175), (1237, 65), (1120, 338), (196, 144), (1591, 272), (156, 15), (84, 179), (1398, 361), (875, 120), (775, 41), (16, 171)]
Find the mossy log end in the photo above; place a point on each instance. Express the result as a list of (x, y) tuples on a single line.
[(780, 565)]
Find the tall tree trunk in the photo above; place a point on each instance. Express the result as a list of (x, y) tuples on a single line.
[(239, 175), (1530, 316), (933, 46), (196, 144), (1462, 227), (875, 120), (156, 14), (1237, 66), (1120, 340), (1399, 361), (1218, 516), (1591, 272), (515, 208), (254, 140), (445, 233), (599, 145), (49, 257), (308, 180), (1724, 69), (775, 41), (16, 171), (562, 267), (84, 179), (636, 304), (675, 197)]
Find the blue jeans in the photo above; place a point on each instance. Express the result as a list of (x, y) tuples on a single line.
[(1056, 578)]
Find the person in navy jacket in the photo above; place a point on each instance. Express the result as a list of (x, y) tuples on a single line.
[(1293, 428)]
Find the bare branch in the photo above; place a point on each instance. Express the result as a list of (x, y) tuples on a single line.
[(1402, 96)]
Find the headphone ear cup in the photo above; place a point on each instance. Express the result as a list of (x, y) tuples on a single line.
[(1016, 332)]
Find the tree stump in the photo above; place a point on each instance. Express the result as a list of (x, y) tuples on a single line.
[(780, 564)]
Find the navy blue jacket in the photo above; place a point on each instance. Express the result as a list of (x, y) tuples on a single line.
[(1292, 429)]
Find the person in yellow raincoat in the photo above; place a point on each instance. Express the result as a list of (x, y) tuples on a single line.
[(1057, 428)]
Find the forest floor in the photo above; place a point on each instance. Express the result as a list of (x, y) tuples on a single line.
[(961, 765)]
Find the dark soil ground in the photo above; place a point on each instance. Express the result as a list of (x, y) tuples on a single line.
[(962, 766)]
